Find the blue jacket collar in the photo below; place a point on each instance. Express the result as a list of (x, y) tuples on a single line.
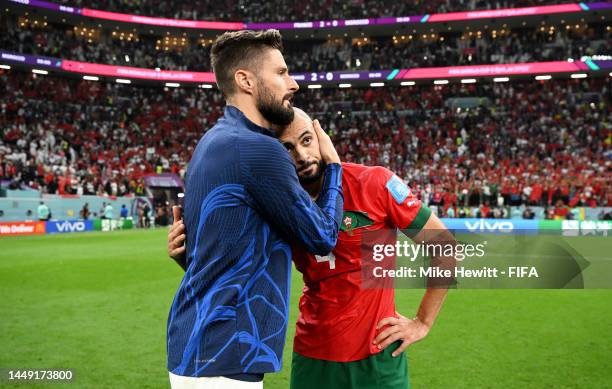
[(234, 113)]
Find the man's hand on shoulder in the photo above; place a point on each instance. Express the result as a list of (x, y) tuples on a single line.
[(176, 238)]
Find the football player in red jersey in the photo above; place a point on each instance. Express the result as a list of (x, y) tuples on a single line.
[(348, 335)]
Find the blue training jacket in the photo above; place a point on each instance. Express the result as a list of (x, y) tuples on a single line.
[(243, 207)]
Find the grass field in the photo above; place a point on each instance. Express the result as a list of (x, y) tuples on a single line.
[(98, 302)]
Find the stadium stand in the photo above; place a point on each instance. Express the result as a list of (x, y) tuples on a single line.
[(552, 42), (467, 150), (525, 142), (281, 11)]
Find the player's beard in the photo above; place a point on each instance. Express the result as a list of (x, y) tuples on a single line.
[(314, 177), (273, 111)]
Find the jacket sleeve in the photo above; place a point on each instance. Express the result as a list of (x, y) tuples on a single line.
[(272, 182)]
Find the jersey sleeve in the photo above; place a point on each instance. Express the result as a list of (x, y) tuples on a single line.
[(273, 184), (401, 206)]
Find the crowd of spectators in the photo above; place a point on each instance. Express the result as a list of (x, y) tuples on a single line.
[(291, 11), (544, 43), (68, 137), (451, 49), (531, 143), (523, 143)]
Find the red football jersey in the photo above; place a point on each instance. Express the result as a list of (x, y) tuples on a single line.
[(338, 317)]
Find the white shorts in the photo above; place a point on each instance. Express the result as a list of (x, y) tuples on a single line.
[(181, 382)]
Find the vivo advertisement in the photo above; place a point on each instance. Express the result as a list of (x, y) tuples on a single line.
[(61, 226), (66, 226), (492, 226), (529, 227), (225, 26), (567, 228)]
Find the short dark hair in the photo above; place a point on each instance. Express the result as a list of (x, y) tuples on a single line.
[(240, 49)]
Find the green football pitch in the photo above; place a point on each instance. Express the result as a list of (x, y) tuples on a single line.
[(97, 303)]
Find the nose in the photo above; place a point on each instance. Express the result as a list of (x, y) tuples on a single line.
[(300, 156), (293, 86)]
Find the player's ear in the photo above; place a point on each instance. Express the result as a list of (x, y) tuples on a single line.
[(244, 81)]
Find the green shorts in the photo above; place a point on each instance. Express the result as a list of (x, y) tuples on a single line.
[(377, 371)]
